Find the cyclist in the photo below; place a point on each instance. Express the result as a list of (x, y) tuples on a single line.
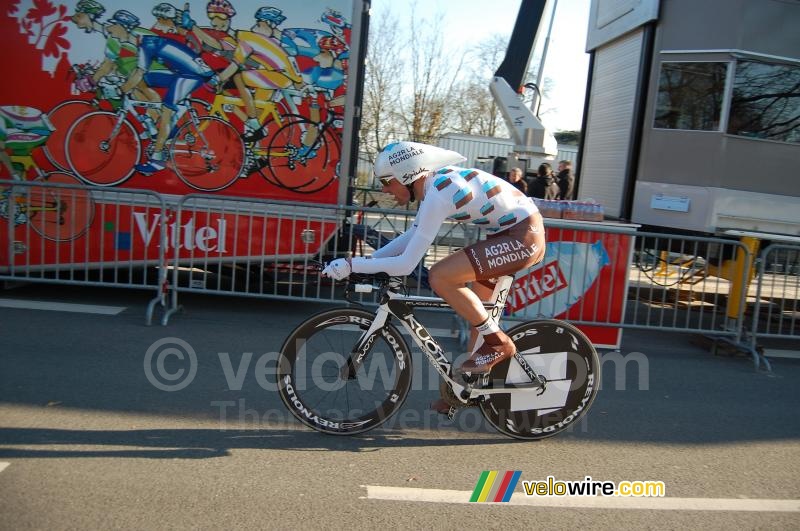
[(22, 129), (340, 28), (184, 71), (326, 77), (219, 44), (121, 31), (516, 240), (263, 64)]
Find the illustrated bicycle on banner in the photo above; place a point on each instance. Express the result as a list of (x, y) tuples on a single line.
[(295, 152), (58, 213), (103, 147), (348, 370)]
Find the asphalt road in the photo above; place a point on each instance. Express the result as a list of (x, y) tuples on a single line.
[(88, 442)]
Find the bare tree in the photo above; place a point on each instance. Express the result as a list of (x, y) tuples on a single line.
[(383, 84), (434, 73), (473, 110), (766, 101), (417, 89)]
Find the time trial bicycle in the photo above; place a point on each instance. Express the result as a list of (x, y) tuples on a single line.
[(348, 370)]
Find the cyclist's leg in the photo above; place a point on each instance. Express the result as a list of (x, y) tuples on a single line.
[(449, 278), (179, 87), (251, 123), (144, 93), (505, 253), (266, 82), (310, 137), (9, 166), (5, 159), (484, 293), (160, 78)]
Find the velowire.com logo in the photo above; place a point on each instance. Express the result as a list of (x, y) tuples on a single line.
[(495, 486)]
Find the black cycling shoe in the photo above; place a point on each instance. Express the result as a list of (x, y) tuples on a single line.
[(255, 165), (254, 135)]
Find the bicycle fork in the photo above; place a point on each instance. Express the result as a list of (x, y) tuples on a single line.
[(105, 145)]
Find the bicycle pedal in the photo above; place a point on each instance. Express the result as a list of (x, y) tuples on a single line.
[(451, 413)]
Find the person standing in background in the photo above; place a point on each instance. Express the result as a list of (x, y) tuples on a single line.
[(515, 178), (544, 184), (565, 180)]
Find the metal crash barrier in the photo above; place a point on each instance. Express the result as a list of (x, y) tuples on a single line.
[(60, 231), (271, 249), (776, 313), (605, 277)]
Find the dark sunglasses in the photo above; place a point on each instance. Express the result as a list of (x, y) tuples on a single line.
[(385, 180)]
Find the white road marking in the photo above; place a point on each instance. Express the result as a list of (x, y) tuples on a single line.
[(596, 502), (3, 466), (61, 307)]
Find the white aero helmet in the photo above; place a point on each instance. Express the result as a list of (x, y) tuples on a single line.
[(408, 161)]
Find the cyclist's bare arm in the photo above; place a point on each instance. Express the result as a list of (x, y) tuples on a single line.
[(105, 68), (133, 80), (226, 74), (206, 39)]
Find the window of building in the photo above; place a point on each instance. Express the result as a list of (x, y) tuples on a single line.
[(766, 101), (690, 95)]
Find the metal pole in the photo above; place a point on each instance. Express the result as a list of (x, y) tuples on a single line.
[(537, 95)]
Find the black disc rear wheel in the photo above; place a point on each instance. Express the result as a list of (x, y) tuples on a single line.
[(567, 359)]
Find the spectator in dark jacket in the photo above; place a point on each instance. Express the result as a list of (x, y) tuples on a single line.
[(544, 184), (566, 180), (515, 178)]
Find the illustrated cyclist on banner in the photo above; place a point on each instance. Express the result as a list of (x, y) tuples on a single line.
[(121, 57), (321, 57), (264, 65), (22, 129), (516, 240), (218, 40), (184, 71)]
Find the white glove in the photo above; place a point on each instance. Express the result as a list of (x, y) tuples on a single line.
[(338, 269)]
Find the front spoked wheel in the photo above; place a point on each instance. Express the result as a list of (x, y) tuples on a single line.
[(207, 155), (60, 214), (312, 373), (566, 358), (300, 168), (101, 149)]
